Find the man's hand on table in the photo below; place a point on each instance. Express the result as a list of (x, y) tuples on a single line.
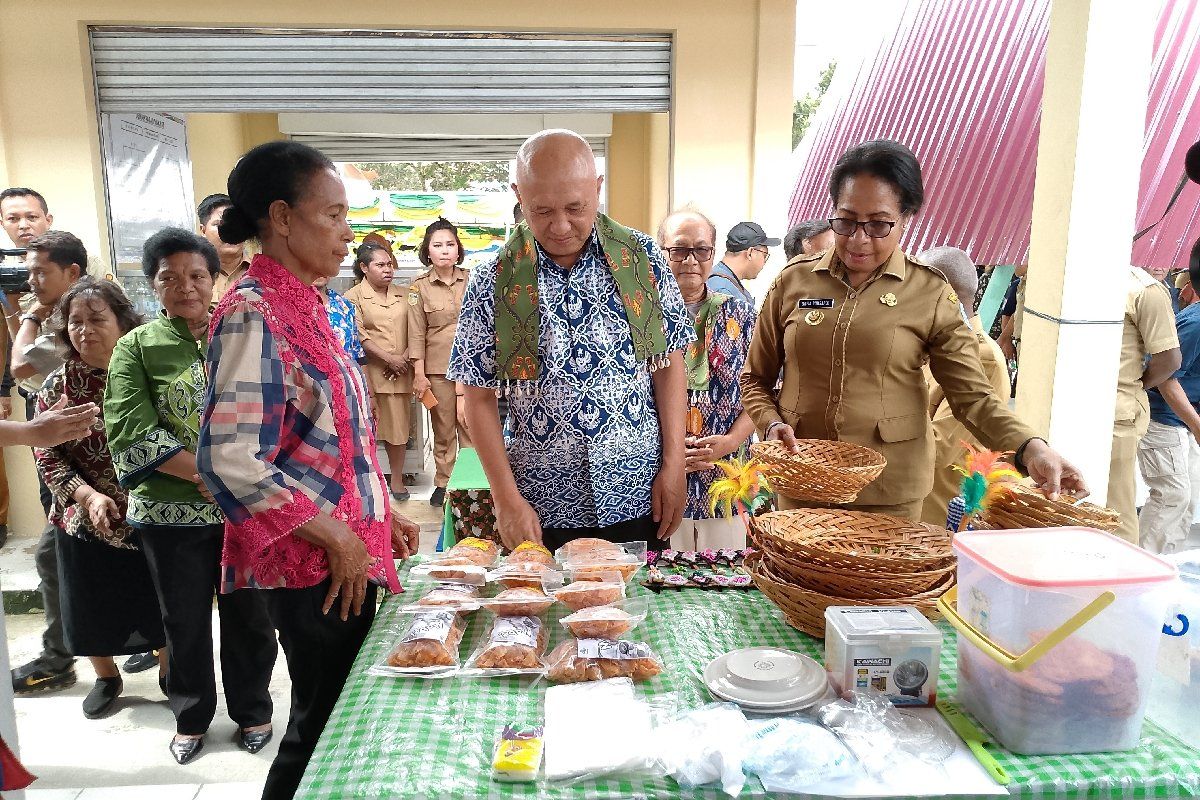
[(668, 495), (406, 536), (516, 521)]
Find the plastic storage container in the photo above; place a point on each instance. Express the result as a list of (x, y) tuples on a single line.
[(1175, 697), (888, 649), (1058, 634)]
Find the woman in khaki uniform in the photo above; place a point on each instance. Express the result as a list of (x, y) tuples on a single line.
[(434, 302), (851, 329), (382, 312)]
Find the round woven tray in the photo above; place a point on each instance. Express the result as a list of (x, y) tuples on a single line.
[(804, 609), (1025, 508), (823, 471), (854, 540), (833, 581)]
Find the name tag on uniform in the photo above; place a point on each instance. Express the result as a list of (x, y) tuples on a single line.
[(815, 302)]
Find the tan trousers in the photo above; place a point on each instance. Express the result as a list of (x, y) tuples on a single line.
[(1122, 485), (448, 435), (910, 510), (1170, 463), (710, 534)]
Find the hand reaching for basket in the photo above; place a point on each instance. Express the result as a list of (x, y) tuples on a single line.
[(1051, 472), (783, 433)]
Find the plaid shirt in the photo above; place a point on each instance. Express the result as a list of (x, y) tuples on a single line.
[(269, 450)]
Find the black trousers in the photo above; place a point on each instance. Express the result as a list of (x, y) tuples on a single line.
[(56, 656), (642, 529), (43, 490), (185, 564), (320, 650)]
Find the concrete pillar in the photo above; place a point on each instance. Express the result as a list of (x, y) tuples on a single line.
[(1089, 158)]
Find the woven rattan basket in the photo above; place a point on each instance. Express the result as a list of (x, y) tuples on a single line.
[(1025, 508), (863, 585), (822, 472), (853, 541), (804, 609)]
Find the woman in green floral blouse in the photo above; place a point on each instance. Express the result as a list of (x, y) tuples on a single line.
[(152, 406)]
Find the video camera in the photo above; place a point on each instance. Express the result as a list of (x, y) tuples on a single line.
[(13, 279)]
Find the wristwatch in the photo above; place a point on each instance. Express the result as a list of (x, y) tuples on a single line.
[(36, 320)]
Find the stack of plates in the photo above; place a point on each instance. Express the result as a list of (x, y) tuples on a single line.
[(767, 680)]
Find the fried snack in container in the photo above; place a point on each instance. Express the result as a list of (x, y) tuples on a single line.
[(579, 547), (454, 570), (524, 574), (512, 644), (606, 622), (586, 594), (460, 597), (593, 566), (431, 640), (579, 660), (530, 553), (480, 552), (519, 602)]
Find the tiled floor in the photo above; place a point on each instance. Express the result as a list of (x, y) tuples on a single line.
[(185, 791)]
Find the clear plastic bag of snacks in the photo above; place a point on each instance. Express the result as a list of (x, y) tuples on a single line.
[(520, 601), (586, 594), (606, 622), (579, 660), (513, 645), (525, 574), (455, 596), (428, 646)]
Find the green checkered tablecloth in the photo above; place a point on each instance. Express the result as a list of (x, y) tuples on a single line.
[(400, 738)]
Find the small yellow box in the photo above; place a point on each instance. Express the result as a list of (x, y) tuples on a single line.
[(518, 755)]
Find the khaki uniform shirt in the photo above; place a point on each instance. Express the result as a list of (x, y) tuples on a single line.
[(1149, 329), (949, 434), (433, 318), (852, 362), (223, 280), (382, 321)]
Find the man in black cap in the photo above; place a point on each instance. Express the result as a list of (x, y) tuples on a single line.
[(745, 256)]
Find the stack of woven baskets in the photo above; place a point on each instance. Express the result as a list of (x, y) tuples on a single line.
[(810, 559), (1025, 508)]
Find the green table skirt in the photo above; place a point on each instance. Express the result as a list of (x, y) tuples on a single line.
[(402, 738)]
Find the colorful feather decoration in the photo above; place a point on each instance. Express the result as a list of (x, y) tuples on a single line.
[(985, 477), (744, 479)]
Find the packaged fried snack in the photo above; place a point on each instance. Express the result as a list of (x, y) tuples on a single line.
[(431, 640), (455, 570), (476, 551), (524, 574), (457, 596), (593, 566), (521, 601), (514, 644), (604, 622), (579, 660), (530, 553), (579, 547), (586, 594)]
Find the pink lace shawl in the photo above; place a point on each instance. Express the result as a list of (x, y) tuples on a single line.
[(263, 550)]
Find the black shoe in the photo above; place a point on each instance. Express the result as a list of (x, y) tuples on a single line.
[(31, 678), (252, 741), (162, 683), (185, 750), (438, 497), (99, 700), (140, 662)]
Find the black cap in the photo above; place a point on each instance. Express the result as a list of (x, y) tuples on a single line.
[(745, 235)]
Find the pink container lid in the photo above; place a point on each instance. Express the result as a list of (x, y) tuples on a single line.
[(1059, 557)]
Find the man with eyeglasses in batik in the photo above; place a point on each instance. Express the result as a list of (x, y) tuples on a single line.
[(746, 253), (852, 328)]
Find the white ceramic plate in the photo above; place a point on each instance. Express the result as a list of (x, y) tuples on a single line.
[(766, 678), (827, 696)]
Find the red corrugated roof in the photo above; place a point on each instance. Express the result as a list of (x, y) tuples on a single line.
[(960, 82)]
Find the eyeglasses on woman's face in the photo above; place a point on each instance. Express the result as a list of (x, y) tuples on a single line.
[(875, 228)]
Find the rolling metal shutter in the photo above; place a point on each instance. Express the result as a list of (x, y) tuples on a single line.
[(195, 70), (410, 148)]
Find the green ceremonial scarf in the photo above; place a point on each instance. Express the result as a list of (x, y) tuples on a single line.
[(518, 318), (695, 355)]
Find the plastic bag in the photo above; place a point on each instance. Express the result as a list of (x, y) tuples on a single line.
[(595, 566), (707, 746), (582, 660), (790, 754), (459, 597), (442, 572), (480, 552), (519, 602), (586, 594), (512, 646), (525, 575), (429, 644), (530, 553), (599, 729), (883, 738), (606, 622)]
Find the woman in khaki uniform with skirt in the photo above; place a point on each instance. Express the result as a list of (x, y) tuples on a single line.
[(382, 313), (433, 305)]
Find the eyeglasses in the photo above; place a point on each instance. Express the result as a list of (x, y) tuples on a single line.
[(876, 228), (766, 254), (680, 254)]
